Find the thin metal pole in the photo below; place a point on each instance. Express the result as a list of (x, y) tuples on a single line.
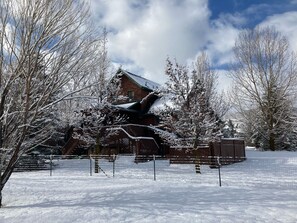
[(154, 157), (90, 165), (113, 165), (51, 165), (219, 164)]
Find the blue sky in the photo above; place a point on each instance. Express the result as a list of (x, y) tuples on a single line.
[(143, 33)]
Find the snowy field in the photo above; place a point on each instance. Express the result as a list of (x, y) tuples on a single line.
[(261, 189)]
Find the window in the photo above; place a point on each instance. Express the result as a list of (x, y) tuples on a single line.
[(131, 94)]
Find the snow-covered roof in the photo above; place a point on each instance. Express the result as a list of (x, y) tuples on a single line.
[(127, 105), (141, 81), (162, 103)]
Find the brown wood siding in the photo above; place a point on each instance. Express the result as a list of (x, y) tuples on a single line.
[(229, 150), (128, 85)]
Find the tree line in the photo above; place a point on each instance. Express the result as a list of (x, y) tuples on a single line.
[(263, 94)]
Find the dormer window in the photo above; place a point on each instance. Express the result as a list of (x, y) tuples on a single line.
[(130, 95)]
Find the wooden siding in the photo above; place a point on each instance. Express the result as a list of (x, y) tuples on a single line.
[(228, 150), (128, 85)]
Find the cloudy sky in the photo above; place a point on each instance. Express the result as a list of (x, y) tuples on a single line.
[(143, 33)]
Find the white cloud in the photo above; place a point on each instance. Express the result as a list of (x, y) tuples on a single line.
[(224, 36), (221, 42), (286, 24), (224, 81), (146, 34)]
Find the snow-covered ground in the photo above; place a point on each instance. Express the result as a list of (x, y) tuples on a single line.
[(261, 189)]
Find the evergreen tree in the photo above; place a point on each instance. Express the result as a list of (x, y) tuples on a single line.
[(191, 115)]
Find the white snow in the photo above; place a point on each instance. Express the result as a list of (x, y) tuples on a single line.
[(127, 105), (160, 104), (143, 82), (261, 189)]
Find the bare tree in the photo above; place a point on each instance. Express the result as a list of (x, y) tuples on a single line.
[(265, 78), (99, 83), (90, 87), (193, 113), (43, 45)]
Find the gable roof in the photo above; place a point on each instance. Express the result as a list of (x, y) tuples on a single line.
[(164, 101), (142, 106), (141, 81), (126, 105)]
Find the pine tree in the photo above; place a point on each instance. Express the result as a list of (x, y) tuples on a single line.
[(191, 115)]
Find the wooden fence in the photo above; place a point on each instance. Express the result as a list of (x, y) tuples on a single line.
[(144, 142), (227, 150)]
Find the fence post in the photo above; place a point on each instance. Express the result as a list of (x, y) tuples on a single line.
[(154, 157), (96, 165), (90, 165), (51, 165), (113, 165), (219, 169), (197, 164)]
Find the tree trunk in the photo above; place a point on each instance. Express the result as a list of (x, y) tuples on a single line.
[(1, 184), (272, 141), (4, 178), (8, 169), (97, 152), (0, 198), (271, 133)]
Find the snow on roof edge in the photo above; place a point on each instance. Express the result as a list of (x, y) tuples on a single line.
[(143, 82), (126, 105)]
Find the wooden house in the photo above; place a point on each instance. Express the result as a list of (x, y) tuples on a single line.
[(140, 95), (135, 87), (138, 134)]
